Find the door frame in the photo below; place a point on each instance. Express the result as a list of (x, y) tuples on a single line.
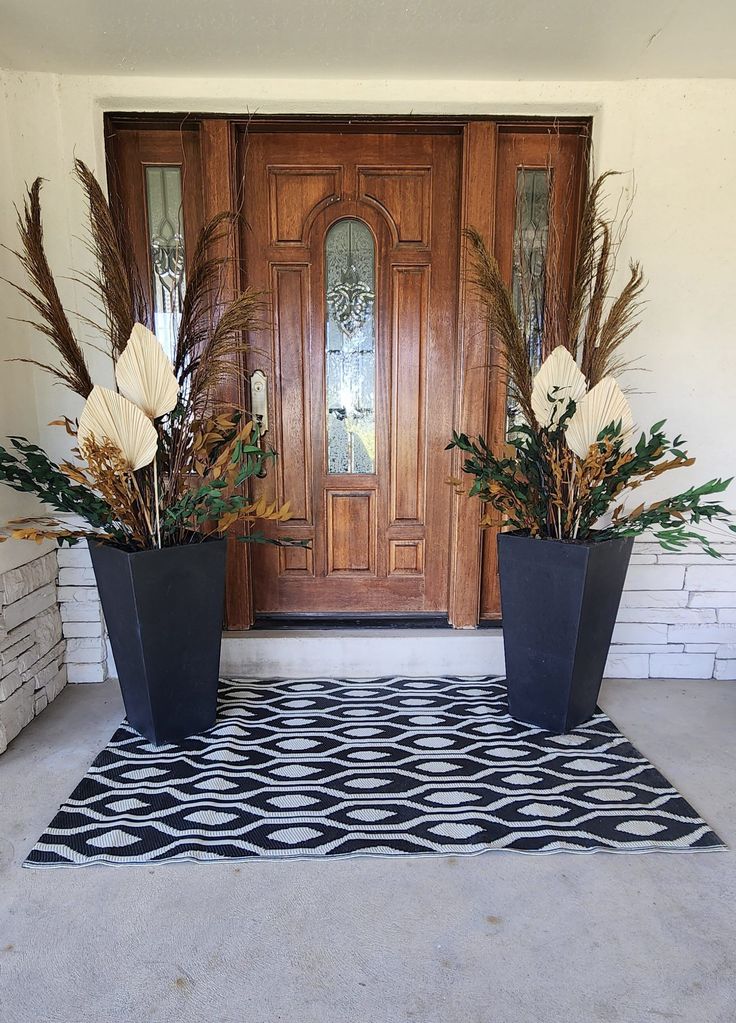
[(479, 399)]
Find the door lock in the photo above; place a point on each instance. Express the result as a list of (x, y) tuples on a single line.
[(259, 409), (259, 400)]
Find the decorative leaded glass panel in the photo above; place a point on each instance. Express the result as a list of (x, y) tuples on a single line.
[(530, 254), (531, 236), (350, 273), (166, 240)]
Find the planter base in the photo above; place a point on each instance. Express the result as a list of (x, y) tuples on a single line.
[(559, 604), (164, 610)]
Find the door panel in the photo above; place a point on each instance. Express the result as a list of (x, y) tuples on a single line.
[(379, 534)]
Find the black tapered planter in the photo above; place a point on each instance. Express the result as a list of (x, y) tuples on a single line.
[(164, 614), (559, 603)]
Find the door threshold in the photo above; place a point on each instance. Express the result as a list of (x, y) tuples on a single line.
[(331, 622), (346, 652)]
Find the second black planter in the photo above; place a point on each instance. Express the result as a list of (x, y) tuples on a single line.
[(164, 613), (559, 603)]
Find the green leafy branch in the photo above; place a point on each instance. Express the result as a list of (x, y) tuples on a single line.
[(31, 471), (524, 487)]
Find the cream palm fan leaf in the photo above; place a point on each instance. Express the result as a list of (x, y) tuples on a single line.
[(558, 381), (145, 375), (109, 417), (603, 405)]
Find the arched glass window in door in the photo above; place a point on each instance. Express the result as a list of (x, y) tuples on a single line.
[(350, 274)]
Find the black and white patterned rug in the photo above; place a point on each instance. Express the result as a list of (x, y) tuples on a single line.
[(328, 767)]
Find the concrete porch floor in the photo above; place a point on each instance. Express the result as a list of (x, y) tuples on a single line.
[(497, 938)]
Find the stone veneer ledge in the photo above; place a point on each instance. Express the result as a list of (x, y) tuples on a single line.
[(32, 645)]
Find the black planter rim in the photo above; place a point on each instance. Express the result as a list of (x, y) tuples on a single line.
[(524, 534), (202, 538)]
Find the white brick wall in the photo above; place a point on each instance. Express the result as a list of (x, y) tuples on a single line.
[(84, 627), (677, 617), (32, 647)]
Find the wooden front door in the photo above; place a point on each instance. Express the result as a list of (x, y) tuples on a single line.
[(355, 239), (360, 415)]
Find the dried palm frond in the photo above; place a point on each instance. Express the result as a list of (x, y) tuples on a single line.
[(144, 374), (204, 287), (212, 338), (557, 382), (502, 320), (595, 336), (589, 238), (622, 319), (220, 355), (109, 417), (44, 298), (115, 281), (603, 406)]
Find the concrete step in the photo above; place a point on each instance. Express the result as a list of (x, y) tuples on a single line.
[(362, 653)]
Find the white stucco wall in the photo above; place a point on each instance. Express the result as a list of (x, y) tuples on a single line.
[(678, 137), (18, 412)]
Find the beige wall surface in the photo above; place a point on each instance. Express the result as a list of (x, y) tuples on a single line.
[(675, 141)]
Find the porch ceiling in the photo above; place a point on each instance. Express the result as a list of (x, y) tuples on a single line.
[(462, 39)]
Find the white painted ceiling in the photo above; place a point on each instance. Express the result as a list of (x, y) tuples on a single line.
[(477, 39)]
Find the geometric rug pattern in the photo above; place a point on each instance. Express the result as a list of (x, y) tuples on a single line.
[(391, 766)]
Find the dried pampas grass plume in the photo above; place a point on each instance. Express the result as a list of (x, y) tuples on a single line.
[(109, 417), (557, 382), (144, 374), (603, 406)]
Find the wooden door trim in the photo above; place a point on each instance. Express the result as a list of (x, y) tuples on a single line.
[(475, 375), (218, 162), (190, 121)]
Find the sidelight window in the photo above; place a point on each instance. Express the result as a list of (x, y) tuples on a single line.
[(166, 247), (530, 254), (528, 279)]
